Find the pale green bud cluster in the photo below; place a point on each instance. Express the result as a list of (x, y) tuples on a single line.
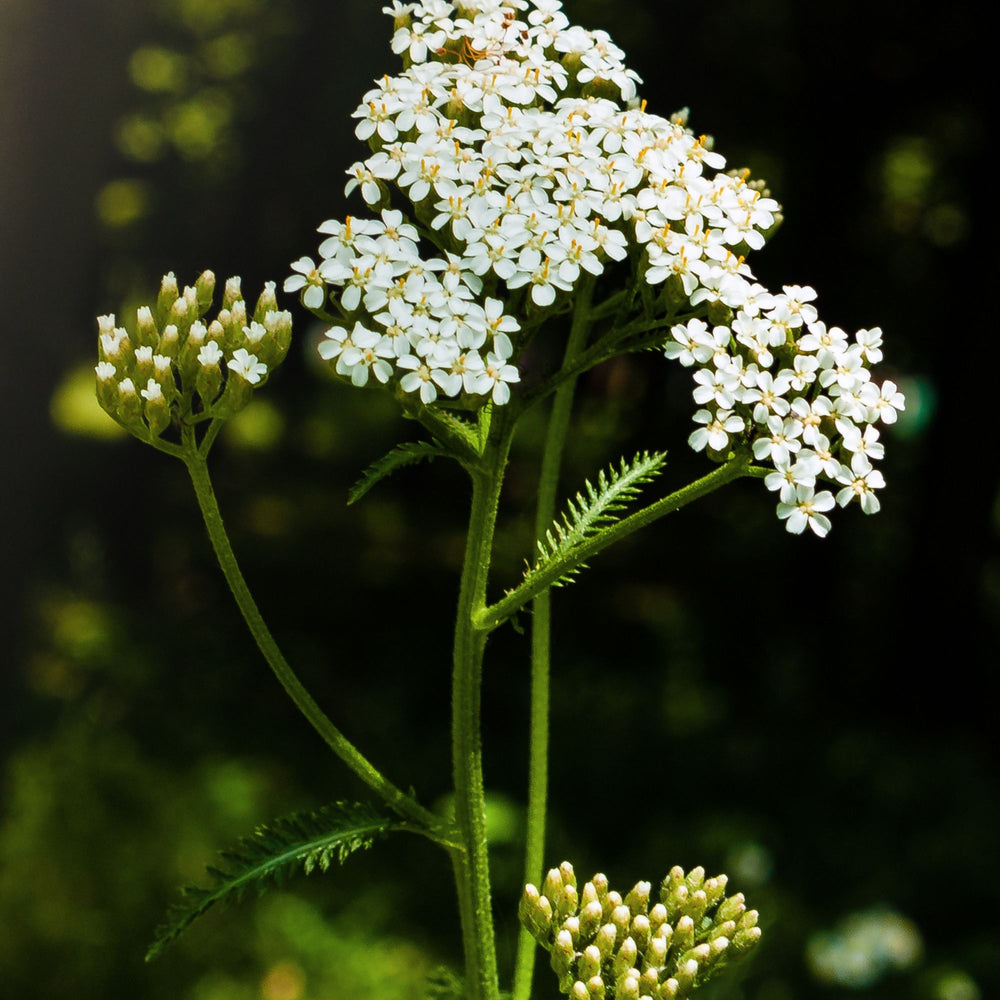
[(176, 369), (605, 947)]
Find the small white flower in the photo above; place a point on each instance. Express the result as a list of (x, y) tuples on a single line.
[(806, 510), (247, 366)]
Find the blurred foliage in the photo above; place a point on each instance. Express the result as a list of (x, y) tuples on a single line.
[(768, 718)]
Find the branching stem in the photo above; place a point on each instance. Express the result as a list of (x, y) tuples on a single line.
[(405, 804)]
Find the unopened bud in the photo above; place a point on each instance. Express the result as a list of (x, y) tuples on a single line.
[(535, 913), (731, 908), (745, 940), (170, 341), (156, 410), (625, 957), (639, 930), (233, 293), (591, 916), (684, 934), (715, 889), (166, 297), (686, 974), (606, 939), (595, 988), (129, 404), (589, 963), (205, 289), (268, 302), (637, 899), (143, 369), (553, 886), (669, 989), (579, 991), (719, 314), (565, 905), (656, 952), (572, 924), (146, 333), (107, 387), (627, 988)]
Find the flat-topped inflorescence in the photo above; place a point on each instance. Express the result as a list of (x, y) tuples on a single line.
[(605, 946), (527, 163), (173, 369)]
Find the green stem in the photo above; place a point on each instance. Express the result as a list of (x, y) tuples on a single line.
[(489, 618), (472, 867), (334, 738), (541, 633)]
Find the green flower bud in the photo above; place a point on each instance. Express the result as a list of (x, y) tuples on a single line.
[(695, 878), (611, 900), (683, 934), (639, 931), (627, 988), (233, 293), (166, 297), (129, 405), (686, 974), (142, 370), (553, 885), (625, 958), (656, 952), (637, 899), (745, 940), (595, 988), (146, 333), (566, 903), (732, 908), (535, 913), (155, 409), (170, 341), (648, 983), (204, 289), (591, 916), (589, 963), (567, 874), (572, 924), (696, 905), (715, 889), (606, 939), (669, 989), (657, 916), (579, 991), (268, 302), (107, 387)]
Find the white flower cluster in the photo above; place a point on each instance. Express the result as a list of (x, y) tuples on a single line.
[(519, 141), (801, 391)]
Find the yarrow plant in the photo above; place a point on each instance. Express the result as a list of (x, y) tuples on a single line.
[(519, 197)]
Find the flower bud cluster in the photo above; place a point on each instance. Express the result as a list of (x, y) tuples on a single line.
[(606, 947), (175, 369)]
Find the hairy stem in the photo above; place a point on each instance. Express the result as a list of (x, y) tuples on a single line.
[(334, 738), (541, 635), (472, 865)]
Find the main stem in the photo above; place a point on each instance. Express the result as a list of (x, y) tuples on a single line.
[(472, 871), (334, 738), (541, 637)]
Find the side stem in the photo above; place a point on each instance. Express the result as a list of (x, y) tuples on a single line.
[(334, 738)]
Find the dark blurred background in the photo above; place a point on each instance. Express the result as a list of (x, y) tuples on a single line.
[(809, 716)]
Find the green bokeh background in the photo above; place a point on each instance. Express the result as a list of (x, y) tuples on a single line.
[(810, 716)]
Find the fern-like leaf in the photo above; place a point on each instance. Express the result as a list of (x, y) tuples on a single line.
[(302, 841), (595, 508), (408, 453)]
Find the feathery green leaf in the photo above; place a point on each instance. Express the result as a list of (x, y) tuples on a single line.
[(303, 841), (407, 453), (595, 508)]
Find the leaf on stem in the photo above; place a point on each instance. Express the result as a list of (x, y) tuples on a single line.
[(408, 453), (303, 841), (595, 508)]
